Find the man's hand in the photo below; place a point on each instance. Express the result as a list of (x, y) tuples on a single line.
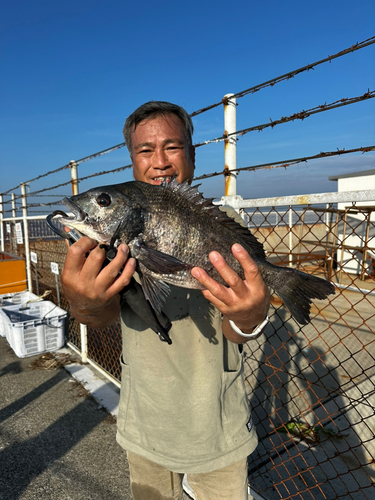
[(245, 302), (90, 290)]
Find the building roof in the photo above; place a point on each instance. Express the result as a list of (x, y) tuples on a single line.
[(371, 171)]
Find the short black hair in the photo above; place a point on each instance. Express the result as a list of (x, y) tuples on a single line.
[(152, 109)]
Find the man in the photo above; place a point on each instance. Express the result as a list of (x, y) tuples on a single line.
[(183, 407)]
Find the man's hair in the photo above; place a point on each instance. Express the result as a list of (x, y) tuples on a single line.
[(153, 109)]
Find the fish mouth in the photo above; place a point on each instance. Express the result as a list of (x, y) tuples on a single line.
[(79, 215)]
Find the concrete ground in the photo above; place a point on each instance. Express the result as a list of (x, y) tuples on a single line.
[(56, 442), (58, 432)]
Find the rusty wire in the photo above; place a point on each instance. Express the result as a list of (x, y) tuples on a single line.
[(100, 153), (40, 177), (34, 205), (288, 76), (82, 160), (287, 163), (34, 193), (120, 169), (104, 172), (295, 116), (301, 115)]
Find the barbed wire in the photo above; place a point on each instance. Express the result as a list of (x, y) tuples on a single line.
[(82, 160), (287, 163), (52, 203), (288, 76), (296, 116), (100, 153), (256, 88), (119, 169), (49, 195)]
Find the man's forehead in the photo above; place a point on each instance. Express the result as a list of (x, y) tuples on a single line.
[(170, 119)]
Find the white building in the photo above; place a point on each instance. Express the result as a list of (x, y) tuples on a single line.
[(359, 229)]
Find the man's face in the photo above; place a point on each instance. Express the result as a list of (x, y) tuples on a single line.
[(159, 150)]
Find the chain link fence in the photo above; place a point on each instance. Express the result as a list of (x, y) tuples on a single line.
[(312, 387)]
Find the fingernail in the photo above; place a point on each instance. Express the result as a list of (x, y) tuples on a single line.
[(237, 247), (214, 256), (132, 263), (124, 248), (195, 273)]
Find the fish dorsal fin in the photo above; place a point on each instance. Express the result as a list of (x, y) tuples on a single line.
[(195, 198)]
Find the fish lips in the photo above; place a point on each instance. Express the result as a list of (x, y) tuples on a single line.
[(79, 215)]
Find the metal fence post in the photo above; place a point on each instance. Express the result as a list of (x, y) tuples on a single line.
[(230, 144), (12, 232), (1, 223), (290, 258), (13, 205), (82, 328), (26, 233), (74, 176)]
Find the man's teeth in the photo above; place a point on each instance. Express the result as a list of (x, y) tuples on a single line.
[(162, 178)]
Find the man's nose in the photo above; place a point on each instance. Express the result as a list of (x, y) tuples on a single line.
[(160, 159)]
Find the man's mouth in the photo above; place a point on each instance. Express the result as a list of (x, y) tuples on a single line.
[(159, 180)]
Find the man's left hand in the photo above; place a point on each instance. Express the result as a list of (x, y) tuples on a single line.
[(244, 301)]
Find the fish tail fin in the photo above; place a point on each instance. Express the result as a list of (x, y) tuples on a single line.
[(296, 289)]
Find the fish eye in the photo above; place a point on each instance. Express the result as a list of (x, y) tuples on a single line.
[(104, 200)]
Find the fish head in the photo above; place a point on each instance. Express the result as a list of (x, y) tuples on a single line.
[(99, 212)]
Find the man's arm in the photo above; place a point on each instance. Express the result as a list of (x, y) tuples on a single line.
[(91, 291), (245, 302)]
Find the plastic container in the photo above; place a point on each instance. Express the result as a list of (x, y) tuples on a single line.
[(10, 299), (38, 328), (17, 298)]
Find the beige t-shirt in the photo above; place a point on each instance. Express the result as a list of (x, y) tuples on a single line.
[(184, 406)]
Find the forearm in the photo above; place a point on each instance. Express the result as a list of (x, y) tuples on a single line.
[(101, 317)]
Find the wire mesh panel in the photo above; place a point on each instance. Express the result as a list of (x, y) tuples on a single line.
[(312, 387), (105, 347)]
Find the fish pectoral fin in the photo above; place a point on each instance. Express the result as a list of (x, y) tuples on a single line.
[(155, 261), (156, 291)]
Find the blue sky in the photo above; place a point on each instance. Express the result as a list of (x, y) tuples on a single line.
[(72, 71)]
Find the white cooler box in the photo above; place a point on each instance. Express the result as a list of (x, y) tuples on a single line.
[(38, 328)]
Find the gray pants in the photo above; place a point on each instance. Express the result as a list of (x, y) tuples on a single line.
[(150, 481)]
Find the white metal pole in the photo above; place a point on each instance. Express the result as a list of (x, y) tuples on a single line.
[(26, 233), (13, 233), (230, 144), (13, 205), (290, 237), (74, 176), (82, 328), (1, 223)]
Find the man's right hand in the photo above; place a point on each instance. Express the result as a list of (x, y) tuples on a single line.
[(91, 291)]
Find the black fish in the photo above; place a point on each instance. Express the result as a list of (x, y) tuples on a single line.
[(170, 229)]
